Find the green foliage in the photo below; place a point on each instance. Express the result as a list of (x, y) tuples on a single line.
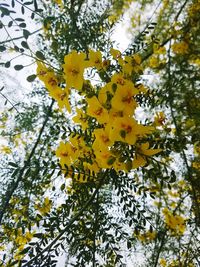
[(103, 218)]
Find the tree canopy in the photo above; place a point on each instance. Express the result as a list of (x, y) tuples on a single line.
[(100, 157)]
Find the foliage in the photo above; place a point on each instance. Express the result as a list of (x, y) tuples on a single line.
[(101, 163)]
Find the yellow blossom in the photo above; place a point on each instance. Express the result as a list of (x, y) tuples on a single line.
[(176, 223), (81, 118), (73, 69), (132, 64), (104, 158), (163, 262), (124, 129), (115, 53), (62, 97), (95, 59), (101, 138), (118, 79), (124, 98), (5, 149), (67, 153), (103, 93), (96, 110), (154, 62), (45, 207), (159, 119), (180, 48), (142, 152)]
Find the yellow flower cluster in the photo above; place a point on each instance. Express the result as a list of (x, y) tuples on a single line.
[(45, 207), (175, 223), (116, 139), (180, 48), (146, 237)]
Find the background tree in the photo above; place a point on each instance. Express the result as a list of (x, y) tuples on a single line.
[(83, 171)]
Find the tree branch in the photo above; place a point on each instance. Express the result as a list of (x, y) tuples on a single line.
[(76, 216), (15, 184)]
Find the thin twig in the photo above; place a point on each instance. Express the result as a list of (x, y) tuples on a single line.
[(76, 216), (15, 184), (20, 37)]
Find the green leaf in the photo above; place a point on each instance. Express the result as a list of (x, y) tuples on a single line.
[(24, 251), (24, 44), (26, 34), (16, 48), (22, 25), (13, 3), (40, 55), (62, 187), (28, 3), (19, 19), (38, 235), (128, 244), (10, 24), (2, 48), (12, 164), (22, 10), (18, 67), (7, 64), (5, 11), (173, 177), (31, 78)]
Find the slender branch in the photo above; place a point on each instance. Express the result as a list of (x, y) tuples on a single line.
[(34, 11), (20, 37), (13, 106), (76, 216), (15, 184), (150, 51), (160, 248)]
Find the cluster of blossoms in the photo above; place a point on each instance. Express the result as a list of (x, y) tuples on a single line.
[(175, 223), (108, 113)]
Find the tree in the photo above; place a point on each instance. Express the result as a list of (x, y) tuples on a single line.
[(101, 163)]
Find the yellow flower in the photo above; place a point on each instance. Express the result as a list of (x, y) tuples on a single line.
[(95, 59), (103, 93), (47, 76), (58, 2), (196, 165), (160, 50), (80, 146), (81, 118), (118, 79), (154, 62), (96, 110), (180, 48), (73, 68), (142, 152), (159, 119), (43, 208), (163, 262), (132, 64), (124, 129), (93, 167), (124, 98), (67, 153), (62, 97), (105, 64), (102, 139), (115, 53), (176, 223), (113, 114), (104, 158), (5, 149)]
